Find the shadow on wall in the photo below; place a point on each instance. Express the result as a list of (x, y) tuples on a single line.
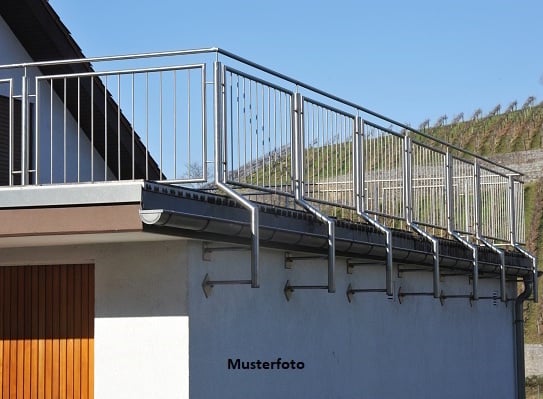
[(142, 280)]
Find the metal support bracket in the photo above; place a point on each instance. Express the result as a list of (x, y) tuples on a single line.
[(351, 291), (402, 294), (207, 284), (475, 262), (289, 259), (352, 264), (289, 288), (535, 274), (501, 254), (435, 253), (456, 296), (208, 249), (331, 250)]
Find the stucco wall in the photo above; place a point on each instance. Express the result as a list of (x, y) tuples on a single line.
[(141, 324), (13, 52), (374, 347)]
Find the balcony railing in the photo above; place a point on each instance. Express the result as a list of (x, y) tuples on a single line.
[(169, 116)]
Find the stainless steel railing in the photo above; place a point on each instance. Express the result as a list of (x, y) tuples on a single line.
[(147, 116)]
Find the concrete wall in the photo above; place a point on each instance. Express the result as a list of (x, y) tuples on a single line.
[(530, 163), (533, 355), (374, 347), (141, 324), (13, 52)]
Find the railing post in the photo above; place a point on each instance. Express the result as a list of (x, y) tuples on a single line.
[(408, 195), (512, 212), (10, 132), (218, 116), (297, 149), (477, 215), (359, 197), (449, 191), (24, 129), (477, 199)]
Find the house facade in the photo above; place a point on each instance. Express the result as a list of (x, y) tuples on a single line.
[(178, 227)]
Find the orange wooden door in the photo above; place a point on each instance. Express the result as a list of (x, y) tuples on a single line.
[(47, 332)]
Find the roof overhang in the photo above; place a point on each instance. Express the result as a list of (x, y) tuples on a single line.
[(138, 211)]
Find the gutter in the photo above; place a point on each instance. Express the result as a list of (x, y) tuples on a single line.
[(303, 236), (519, 337)]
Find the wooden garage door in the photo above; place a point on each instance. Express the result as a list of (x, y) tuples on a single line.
[(46, 331)]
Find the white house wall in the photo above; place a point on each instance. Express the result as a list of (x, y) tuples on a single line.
[(141, 314), (374, 347), (13, 52)]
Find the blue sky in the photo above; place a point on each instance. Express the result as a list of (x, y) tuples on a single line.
[(408, 60)]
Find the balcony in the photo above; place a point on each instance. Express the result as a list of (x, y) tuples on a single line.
[(211, 121)]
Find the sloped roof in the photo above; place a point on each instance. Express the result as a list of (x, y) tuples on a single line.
[(45, 38)]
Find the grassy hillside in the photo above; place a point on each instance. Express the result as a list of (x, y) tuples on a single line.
[(515, 129)]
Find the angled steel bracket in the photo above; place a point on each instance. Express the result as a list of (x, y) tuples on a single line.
[(408, 213), (451, 230), (298, 189), (220, 177), (360, 201), (501, 254)]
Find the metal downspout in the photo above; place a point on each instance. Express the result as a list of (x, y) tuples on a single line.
[(519, 337)]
